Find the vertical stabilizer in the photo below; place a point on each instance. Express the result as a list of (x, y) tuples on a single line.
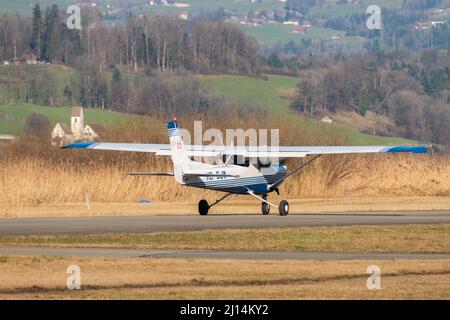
[(180, 158)]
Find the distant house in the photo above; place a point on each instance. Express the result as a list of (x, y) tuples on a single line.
[(294, 22), (29, 58), (421, 26), (327, 119), (336, 37), (15, 61), (7, 137), (299, 29), (168, 3), (184, 15), (182, 5), (92, 3), (437, 23), (64, 133)]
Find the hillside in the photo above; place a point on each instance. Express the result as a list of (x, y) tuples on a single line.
[(13, 117), (275, 93)]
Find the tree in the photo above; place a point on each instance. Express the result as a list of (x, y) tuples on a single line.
[(68, 94), (119, 92), (37, 125), (363, 105), (51, 34), (35, 42), (274, 61)]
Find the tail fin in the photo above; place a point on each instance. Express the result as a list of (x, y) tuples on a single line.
[(180, 158)]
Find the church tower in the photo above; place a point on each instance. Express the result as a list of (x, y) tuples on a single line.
[(77, 121)]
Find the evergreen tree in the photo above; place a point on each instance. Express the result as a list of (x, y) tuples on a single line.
[(35, 42), (363, 105), (51, 37), (274, 61)]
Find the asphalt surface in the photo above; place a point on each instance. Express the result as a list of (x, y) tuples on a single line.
[(101, 225), (213, 254)]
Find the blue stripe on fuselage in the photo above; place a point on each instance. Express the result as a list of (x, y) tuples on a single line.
[(258, 184)]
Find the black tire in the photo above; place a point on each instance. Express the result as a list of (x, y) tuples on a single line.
[(265, 208), (203, 207), (283, 208)]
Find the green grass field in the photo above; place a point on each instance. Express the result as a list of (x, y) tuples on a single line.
[(25, 7), (331, 9), (270, 34), (60, 77), (239, 6), (270, 92), (13, 117)]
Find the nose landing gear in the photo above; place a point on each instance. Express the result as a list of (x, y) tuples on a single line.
[(283, 208)]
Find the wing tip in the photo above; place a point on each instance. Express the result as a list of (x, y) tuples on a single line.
[(411, 149), (78, 145)]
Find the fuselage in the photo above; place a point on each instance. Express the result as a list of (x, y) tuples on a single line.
[(239, 180)]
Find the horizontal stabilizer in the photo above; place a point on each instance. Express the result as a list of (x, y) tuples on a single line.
[(155, 174)]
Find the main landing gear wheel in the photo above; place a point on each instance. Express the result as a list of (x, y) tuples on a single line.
[(203, 207), (283, 208), (265, 208)]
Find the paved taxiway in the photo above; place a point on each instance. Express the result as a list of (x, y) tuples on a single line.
[(101, 225), (213, 254)]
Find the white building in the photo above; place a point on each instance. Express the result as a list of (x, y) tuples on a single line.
[(327, 119), (184, 15), (76, 131)]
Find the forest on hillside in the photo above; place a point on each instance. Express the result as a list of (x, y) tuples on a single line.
[(411, 89)]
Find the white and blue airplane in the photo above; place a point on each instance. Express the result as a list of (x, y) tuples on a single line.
[(257, 180)]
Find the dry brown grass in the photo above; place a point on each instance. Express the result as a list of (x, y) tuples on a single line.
[(33, 174), (33, 182), (393, 239), (45, 278)]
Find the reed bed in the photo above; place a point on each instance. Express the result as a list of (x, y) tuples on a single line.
[(32, 173), (32, 181)]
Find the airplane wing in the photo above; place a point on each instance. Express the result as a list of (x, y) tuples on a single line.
[(158, 149), (300, 152), (251, 152)]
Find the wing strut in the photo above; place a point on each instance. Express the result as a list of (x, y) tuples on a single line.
[(274, 185), (221, 199), (250, 192)]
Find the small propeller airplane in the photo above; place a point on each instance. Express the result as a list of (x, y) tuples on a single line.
[(257, 180)]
